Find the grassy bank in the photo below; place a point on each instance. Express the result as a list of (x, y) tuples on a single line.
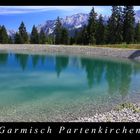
[(130, 46), (125, 46)]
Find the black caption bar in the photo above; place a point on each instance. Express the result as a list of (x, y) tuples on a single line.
[(69, 129), (64, 2)]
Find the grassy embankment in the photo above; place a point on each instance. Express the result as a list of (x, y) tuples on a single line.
[(125, 46)]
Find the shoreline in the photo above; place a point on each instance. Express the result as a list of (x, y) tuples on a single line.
[(89, 51), (126, 112)]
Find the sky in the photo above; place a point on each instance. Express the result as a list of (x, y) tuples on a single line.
[(12, 16)]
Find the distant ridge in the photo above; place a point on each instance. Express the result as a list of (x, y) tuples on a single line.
[(72, 23)]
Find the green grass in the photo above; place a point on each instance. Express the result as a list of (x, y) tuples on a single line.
[(125, 46), (128, 105)]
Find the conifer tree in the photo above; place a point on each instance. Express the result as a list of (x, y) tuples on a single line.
[(137, 33), (17, 38), (23, 33), (57, 31), (64, 36), (71, 40), (91, 27), (76, 37), (34, 38), (100, 31), (79, 39), (84, 35), (42, 37), (49, 39), (115, 26), (128, 24), (119, 30), (3, 35), (10, 40)]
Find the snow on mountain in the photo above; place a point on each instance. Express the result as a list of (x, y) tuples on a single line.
[(78, 26), (47, 27), (70, 22), (11, 33), (73, 22)]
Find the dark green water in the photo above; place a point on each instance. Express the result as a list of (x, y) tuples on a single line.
[(63, 88)]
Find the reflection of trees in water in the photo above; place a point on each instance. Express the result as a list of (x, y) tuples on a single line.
[(43, 58), (61, 62), (136, 68), (22, 60), (113, 77), (94, 70), (35, 60), (118, 76), (75, 62), (3, 58), (126, 71)]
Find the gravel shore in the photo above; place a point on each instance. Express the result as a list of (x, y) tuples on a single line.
[(126, 112), (73, 50)]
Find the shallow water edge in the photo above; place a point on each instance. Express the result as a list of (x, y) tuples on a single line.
[(73, 50)]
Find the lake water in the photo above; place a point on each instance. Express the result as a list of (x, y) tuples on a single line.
[(64, 88)]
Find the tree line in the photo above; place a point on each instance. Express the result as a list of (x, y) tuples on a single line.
[(119, 28), (22, 36)]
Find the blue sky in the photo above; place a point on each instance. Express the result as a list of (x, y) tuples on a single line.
[(11, 16)]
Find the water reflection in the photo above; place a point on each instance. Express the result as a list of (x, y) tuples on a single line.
[(35, 60), (22, 60), (61, 62), (3, 58), (117, 75), (43, 57), (94, 70)]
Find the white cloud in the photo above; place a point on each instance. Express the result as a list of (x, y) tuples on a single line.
[(104, 10), (4, 10), (137, 7)]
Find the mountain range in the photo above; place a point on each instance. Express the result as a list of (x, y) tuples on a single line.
[(73, 22)]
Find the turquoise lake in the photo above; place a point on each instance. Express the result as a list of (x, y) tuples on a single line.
[(63, 88)]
